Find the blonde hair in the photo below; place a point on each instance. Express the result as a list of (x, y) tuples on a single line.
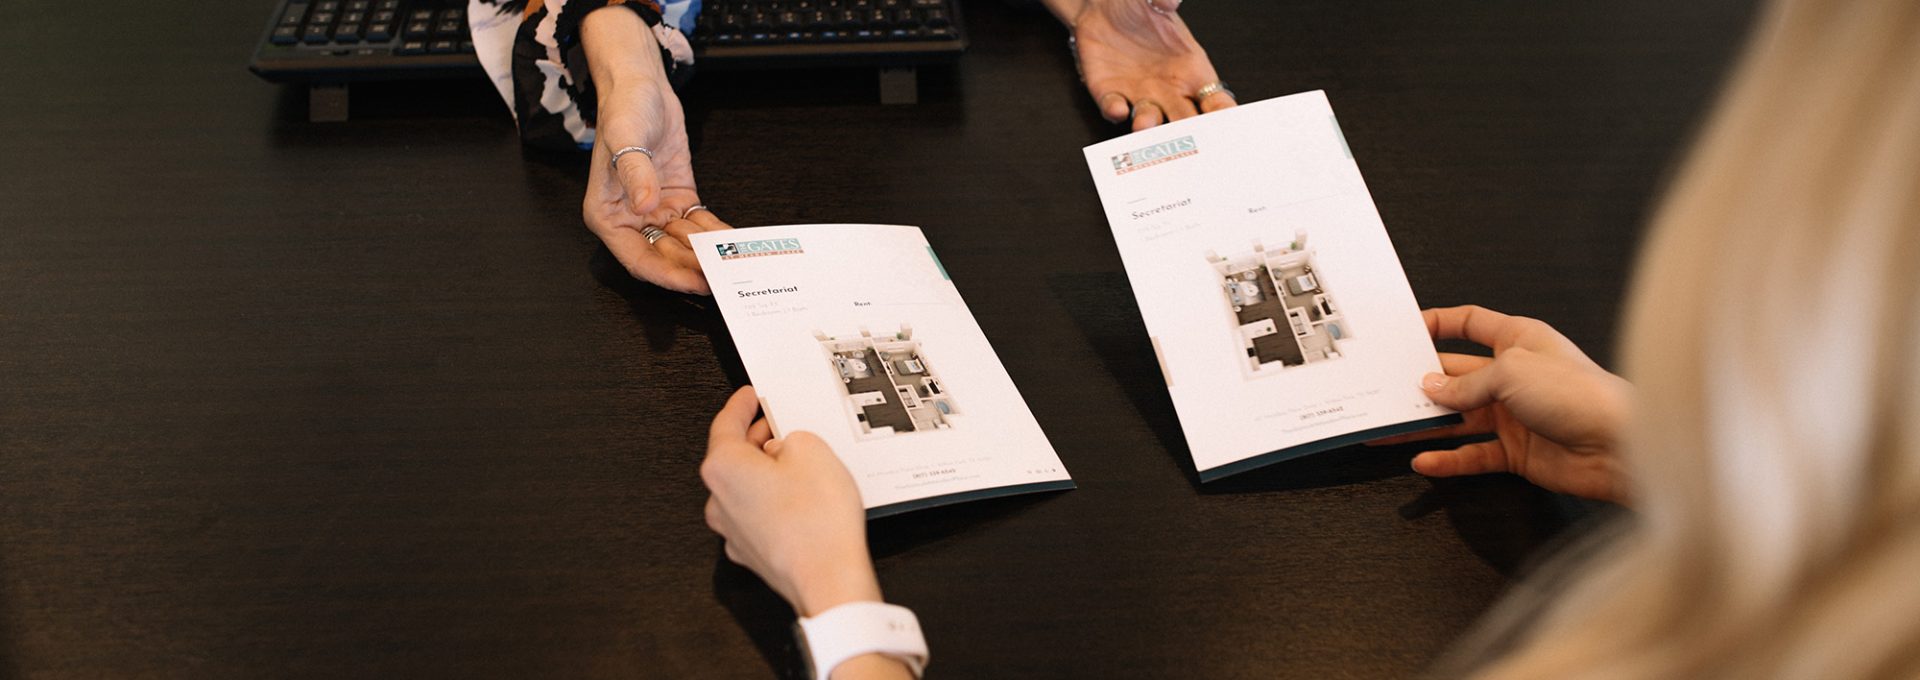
[(1772, 333)]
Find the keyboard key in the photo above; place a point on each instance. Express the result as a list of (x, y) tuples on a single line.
[(380, 32), (848, 18), (358, 6), (383, 17), (327, 6), (421, 15), (295, 13), (456, 14), (443, 47), (315, 34), (286, 35), (320, 19), (937, 17), (386, 5), (941, 33), (446, 28), (412, 47), (788, 20), (417, 29), (818, 19), (466, 47), (347, 33)]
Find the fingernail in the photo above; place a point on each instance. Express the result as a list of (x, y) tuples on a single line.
[(1434, 382)]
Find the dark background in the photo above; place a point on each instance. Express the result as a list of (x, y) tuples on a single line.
[(362, 400)]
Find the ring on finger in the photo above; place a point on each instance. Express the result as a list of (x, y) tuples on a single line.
[(615, 162), (653, 234), (1210, 89), (696, 206)]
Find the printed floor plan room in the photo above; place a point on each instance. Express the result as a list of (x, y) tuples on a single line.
[(890, 389), (1284, 315)]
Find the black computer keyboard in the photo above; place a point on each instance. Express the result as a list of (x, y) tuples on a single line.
[(349, 40), (772, 33), (329, 43), (353, 40)]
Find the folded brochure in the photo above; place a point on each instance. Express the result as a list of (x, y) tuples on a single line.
[(854, 332), (1277, 307)]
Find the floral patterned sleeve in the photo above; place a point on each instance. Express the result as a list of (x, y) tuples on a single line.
[(531, 50)]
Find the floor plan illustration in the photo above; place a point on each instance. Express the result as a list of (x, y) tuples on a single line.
[(890, 389), (1284, 315)]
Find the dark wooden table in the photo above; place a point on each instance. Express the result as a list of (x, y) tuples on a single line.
[(281, 399)]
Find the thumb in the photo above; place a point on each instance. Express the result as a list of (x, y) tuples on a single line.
[(1470, 390), (734, 420), (640, 182)]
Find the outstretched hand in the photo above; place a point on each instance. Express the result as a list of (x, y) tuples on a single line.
[(1556, 416), (638, 108), (1139, 61)]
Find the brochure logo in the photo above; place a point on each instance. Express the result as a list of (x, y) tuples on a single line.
[(763, 248), (1141, 159)]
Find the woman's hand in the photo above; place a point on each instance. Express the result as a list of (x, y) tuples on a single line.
[(1138, 59), (637, 107), (1556, 415), (788, 510)]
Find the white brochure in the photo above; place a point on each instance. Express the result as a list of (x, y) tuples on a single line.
[(854, 332), (1281, 318)]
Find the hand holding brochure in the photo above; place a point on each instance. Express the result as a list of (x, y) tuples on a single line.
[(1282, 320), (854, 333)]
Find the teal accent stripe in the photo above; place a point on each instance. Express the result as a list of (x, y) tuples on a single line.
[(1342, 136), (937, 265), (966, 496), (1264, 460)]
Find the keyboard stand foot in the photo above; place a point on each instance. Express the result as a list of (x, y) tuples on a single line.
[(899, 85), (327, 103)]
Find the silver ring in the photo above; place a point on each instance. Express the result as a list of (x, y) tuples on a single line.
[(696, 206), (1208, 89), (1156, 7), (627, 150), (653, 234)]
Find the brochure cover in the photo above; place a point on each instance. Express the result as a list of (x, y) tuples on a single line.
[(1282, 320), (854, 332)]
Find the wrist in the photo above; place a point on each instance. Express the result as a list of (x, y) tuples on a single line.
[(832, 587), (875, 665), (621, 50)]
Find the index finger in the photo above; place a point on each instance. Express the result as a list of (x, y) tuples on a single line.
[(656, 263)]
